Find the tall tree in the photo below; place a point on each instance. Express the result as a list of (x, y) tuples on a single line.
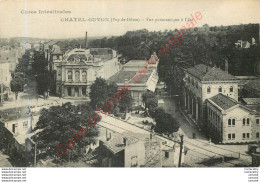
[(165, 123), (17, 84), (98, 93), (58, 125), (126, 103)]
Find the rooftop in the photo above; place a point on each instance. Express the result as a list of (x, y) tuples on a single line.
[(116, 143), (223, 101), (251, 101), (206, 73)]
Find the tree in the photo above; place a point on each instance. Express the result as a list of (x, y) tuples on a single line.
[(165, 123), (57, 125), (126, 103), (150, 101), (98, 93), (44, 81), (17, 84)]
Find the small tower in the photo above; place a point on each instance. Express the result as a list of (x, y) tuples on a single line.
[(226, 65)]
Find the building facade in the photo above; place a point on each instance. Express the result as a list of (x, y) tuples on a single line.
[(140, 76), (79, 68), (231, 122), (202, 82)]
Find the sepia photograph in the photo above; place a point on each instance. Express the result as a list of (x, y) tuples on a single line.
[(152, 84)]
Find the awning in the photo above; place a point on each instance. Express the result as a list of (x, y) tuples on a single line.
[(152, 84)]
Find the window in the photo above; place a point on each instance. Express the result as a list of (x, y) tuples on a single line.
[(166, 154), (233, 122), (257, 135), (134, 161), (25, 124), (84, 92), (244, 136), (14, 127), (231, 89), (208, 90), (248, 135), (77, 76), (84, 76), (233, 136), (220, 89), (244, 121), (69, 75), (257, 121), (229, 122), (229, 136), (247, 121)]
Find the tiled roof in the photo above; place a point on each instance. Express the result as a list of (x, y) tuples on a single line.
[(252, 101), (223, 101), (56, 50), (206, 73), (116, 143), (123, 75)]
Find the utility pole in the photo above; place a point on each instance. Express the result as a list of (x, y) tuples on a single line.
[(35, 153), (2, 88), (181, 146)]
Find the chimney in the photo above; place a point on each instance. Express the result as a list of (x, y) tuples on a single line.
[(86, 40), (125, 141), (226, 65), (152, 134)]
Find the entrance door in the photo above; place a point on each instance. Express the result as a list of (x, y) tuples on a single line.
[(69, 91)]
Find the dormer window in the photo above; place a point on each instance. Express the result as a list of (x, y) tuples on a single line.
[(208, 90), (231, 89), (220, 89)]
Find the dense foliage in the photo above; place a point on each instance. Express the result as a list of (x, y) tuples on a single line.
[(57, 125)]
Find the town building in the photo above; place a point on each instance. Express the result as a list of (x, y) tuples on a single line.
[(127, 145), (140, 80), (202, 82), (79, 68), (232, 122), (5, 80)]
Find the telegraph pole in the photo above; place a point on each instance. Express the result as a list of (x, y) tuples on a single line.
[(181, 146), (2, 88)]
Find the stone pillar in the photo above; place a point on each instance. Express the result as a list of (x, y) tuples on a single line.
[(73, 76), (80, 75), (73, 90), (140, 98), (188, 108), (80, 91), (192, 107), (197, 110), (65, 92)]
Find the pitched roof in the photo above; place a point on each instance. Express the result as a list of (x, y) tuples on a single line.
[(206, 73), (116, 144), (56, 49), (251, 101), (223, 101)]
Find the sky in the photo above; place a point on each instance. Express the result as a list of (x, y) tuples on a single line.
[(15, 23)]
